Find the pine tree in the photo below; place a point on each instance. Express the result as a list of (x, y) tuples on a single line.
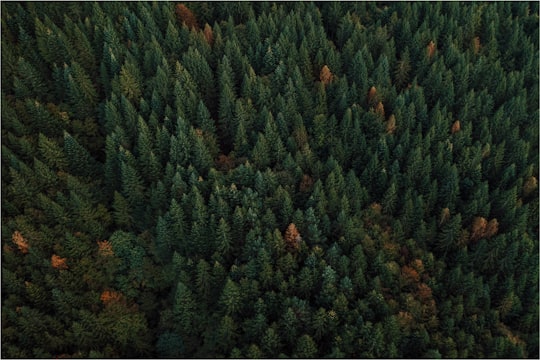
[(80, 161), (131, 80), (184, 309), (231, 297)]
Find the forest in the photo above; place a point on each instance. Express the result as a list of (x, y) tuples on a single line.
[(270, 179)]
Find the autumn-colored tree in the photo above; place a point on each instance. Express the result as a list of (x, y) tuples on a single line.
[(431, 48), (478, 228), (476, 45), (379, 110), (58, 262), (530, 185), (405, 319), (326, 75), (491, 229), (391, 124), (111, 297), (208, 34), (21, 242), (409, 275), (418, 265), (424, 292), (185, 16), (292, 237), (445, 215), (372, 97), (456, 127), (105, 248)]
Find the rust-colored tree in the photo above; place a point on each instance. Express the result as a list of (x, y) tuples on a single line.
[(372, 97), (530, 185), (292, 237), (476, 45), (478, 228), (456, 127), (391, 124), (325, 75), (379, 110), (491, 229), (20, 241), (424, 292), (431, 48), (111, 296), (409, 275), (208, 34), (105, 248), (185, 16), (58, 262), (405, 319)]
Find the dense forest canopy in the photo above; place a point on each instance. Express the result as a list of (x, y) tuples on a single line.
[(235, 179)]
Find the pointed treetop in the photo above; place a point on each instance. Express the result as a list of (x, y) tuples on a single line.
[(185, 16), (456, 127), (326, 75), (431, 49), (208, 34), (391, 124), (292, 237), (372, 97), (379, 110)]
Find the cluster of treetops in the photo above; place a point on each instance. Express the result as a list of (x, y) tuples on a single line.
[(236, 179)]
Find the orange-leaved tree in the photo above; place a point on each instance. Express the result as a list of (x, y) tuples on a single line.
[(20, 241), (185, 16), (105, 248), (292, 237), (58, 262), (431, 49), (456, 127), (325, 75), (208, 34)]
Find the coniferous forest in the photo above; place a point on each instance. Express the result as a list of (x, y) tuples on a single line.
[(235, 179)]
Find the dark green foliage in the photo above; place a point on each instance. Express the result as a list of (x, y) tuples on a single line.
[(338, 179)]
